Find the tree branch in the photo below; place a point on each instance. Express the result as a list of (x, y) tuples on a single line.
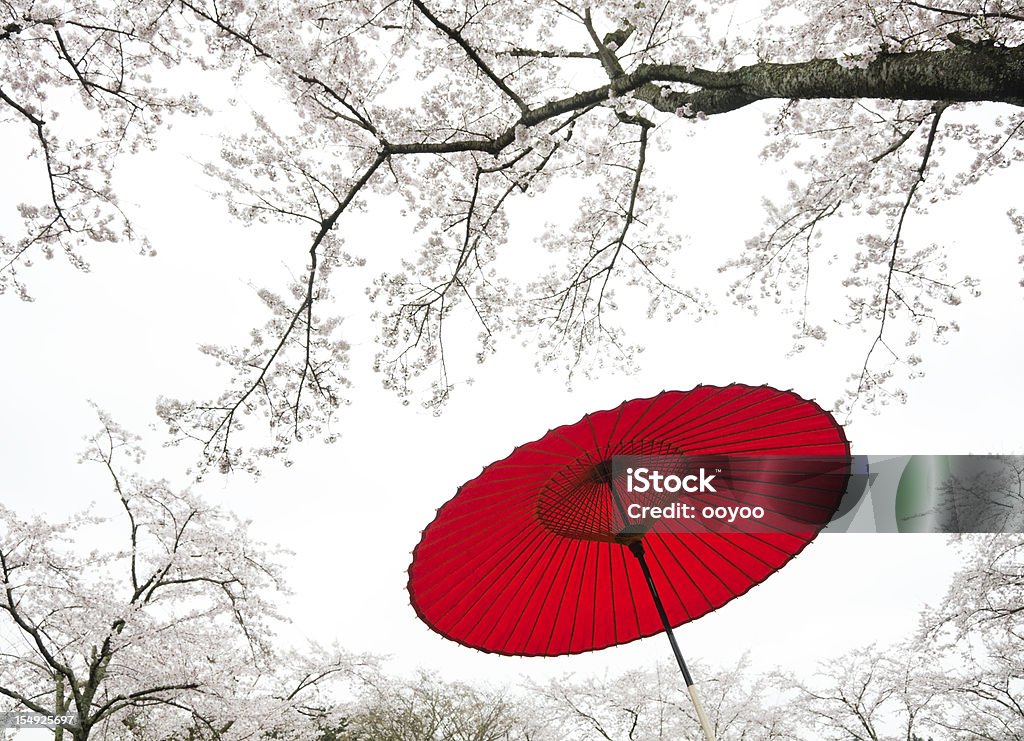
[(966, 14), (472, 54), (896, 243), (955, 75)]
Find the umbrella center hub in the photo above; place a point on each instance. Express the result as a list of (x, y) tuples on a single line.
[(603, 472), (586, 498)]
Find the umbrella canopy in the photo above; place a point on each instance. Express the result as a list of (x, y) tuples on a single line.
[(532, 557)]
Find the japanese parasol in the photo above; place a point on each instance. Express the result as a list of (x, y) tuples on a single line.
[(538, 555)]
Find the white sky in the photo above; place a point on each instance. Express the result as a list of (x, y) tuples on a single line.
[(352, 512)]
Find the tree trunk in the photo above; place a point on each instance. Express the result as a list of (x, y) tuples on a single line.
[(58, 735)]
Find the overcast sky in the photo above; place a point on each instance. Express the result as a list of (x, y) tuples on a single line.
[(352, 512)]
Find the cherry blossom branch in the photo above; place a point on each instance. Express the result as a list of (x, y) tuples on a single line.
[(569, 308), (548, 54), (52, 176), (27, 702), (421, 318), (472, 54), (889, 293), (356, 116), (946, 75), (146, 696), (93, 59), (611, 64), (219, 420), (195, 638), (960, 73), (325, 228), (33, 119), (107, 457), (966, 13), (629, 216), (226, 28)]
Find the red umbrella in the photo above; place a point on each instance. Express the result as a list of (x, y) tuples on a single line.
[(550, 551)]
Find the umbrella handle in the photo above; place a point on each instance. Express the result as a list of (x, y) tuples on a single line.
[(637, 549), (705, 724)]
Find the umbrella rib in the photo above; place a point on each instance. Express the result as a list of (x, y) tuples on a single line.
[(560, 436), (733, 542), (728, 408), (762, 438), (681, 423), (660, 415), (597, 581), (737, 544), (737, 531), (686, 572), (558, 611), (598, 445), (629, 588), (593, 517), (663, 418), (469, 570), (547, 594), (726, 413), (611, 594), (551, 543), (768, 526), (499, 498), (576, 612), (451, 554), (488, 584), (714, 429), (536, 564), (508, 546)]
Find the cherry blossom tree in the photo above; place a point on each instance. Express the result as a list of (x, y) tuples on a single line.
[(650, 705), (459, 109), (869, 694), (979, 627), (426, 708), (959, 677), (160, 624)]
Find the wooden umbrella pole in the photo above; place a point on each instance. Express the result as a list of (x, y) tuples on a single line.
[(637, 548)]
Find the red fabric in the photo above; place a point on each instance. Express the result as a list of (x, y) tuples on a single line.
[(524, 560)]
